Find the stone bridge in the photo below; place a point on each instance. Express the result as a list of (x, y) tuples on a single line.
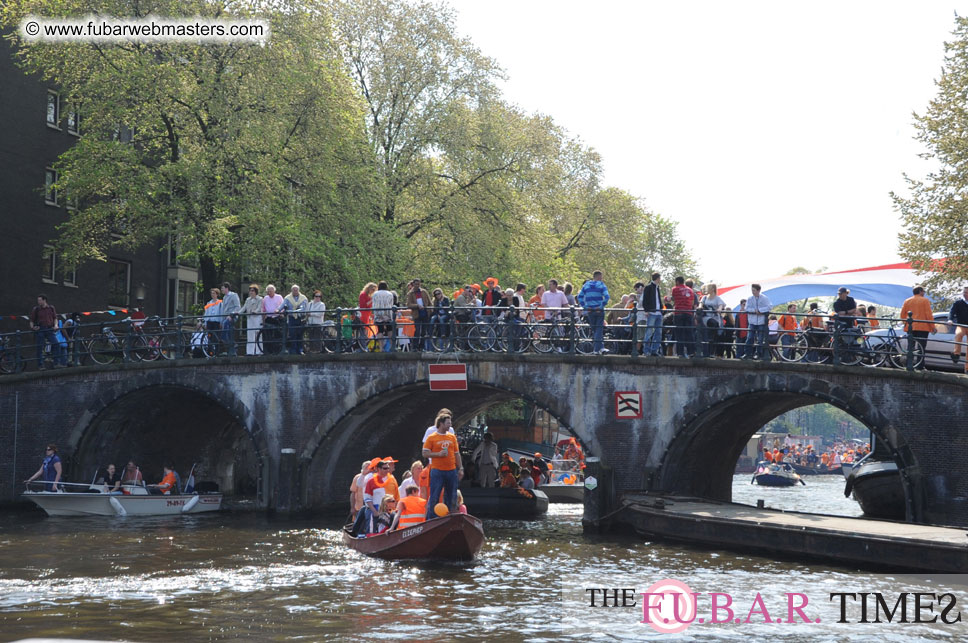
[(288, 433)]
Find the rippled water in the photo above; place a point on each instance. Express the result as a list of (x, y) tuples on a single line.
[(243, 576)]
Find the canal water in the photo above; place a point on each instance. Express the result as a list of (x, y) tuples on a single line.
[(244, 576)]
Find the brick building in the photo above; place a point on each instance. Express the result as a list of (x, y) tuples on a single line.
[(38, 126)]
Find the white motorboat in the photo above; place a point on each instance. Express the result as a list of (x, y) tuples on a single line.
[(567, 483), (94, 500)]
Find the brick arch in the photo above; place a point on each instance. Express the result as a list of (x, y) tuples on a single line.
[(117, 424), (332, 457), (712, 430)]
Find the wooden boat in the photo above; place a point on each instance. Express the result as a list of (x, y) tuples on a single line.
[(93, 500), (508, 503), (769, 474), (876, 485), (457, 537)]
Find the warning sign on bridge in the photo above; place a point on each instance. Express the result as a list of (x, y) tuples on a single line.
[(448, 377), (628, 405)]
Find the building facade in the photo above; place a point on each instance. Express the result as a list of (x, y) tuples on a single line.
[(38, 126)]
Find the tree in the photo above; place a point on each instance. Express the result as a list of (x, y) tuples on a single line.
[(411, 70), (935, 215), (190, 142)]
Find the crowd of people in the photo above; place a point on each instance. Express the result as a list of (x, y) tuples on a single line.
[(830, 458), (378, 502), (686, 322)]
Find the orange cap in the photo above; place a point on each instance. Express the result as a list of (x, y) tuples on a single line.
[(476, 287), (374, 462), (388, 459), (491, 282), (538, 455)]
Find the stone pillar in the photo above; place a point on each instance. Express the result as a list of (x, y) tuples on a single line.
[(600, 499), (285, 494)]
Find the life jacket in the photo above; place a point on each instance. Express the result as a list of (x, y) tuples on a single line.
[(413, 510)]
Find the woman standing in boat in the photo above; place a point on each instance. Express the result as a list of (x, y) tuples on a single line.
[(50, 468)]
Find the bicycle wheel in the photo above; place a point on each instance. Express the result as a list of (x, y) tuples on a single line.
[(440, 338), (796, 351), (481, 338), (583, 339), (517, 336), (102, 350), (899, 355), (876, 352), (8, 363), (211, 346), (139, 350), (851, 353), (542, 338)]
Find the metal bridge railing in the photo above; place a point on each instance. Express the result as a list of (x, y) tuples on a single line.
[(813, 338)]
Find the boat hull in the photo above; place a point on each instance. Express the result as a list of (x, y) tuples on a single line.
[(563, 492), (877, 487), (770, 480), (99, 504), (505, 503), (457, 537)]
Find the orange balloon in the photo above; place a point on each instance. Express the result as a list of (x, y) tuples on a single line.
[(441, 509)]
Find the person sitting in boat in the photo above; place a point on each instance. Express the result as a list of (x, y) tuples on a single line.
[(168, 483), (373, 494), (111, 480), (509, 471), (542, 466), (525, 481), (412, 479), (384, 519), (461, 507), (132, 476), (411, 510)]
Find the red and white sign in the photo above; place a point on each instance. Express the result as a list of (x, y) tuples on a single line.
[(448, 377), (628, 405)]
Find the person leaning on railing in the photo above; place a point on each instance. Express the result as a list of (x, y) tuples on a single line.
[(959, 315), (253, 320), (920, 309)]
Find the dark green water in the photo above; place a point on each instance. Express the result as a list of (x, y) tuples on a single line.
[(242, 576)]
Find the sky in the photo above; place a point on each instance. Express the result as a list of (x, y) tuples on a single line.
[(772, 132)]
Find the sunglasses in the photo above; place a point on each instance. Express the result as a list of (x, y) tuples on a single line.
[(385, 466)]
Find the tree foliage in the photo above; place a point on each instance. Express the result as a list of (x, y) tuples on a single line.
[(365, 140), (935, 214)]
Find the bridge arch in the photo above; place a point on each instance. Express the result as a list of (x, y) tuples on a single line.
[(714, 428), (392, 421), (152, 420)]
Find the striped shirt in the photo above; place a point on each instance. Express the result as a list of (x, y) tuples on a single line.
[(593, 294)]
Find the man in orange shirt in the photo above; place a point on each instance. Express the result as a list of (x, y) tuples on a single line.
[(446, 467), (167, 484), (788, 323), (392, 488), (923, 319)]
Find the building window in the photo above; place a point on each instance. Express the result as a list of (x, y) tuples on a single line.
[(119, 282), (53, 109), (50, 191), (70, 276), (186, 298), (48, 265), (74, 121)]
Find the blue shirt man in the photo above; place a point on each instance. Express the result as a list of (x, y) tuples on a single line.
[(592, 297)]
